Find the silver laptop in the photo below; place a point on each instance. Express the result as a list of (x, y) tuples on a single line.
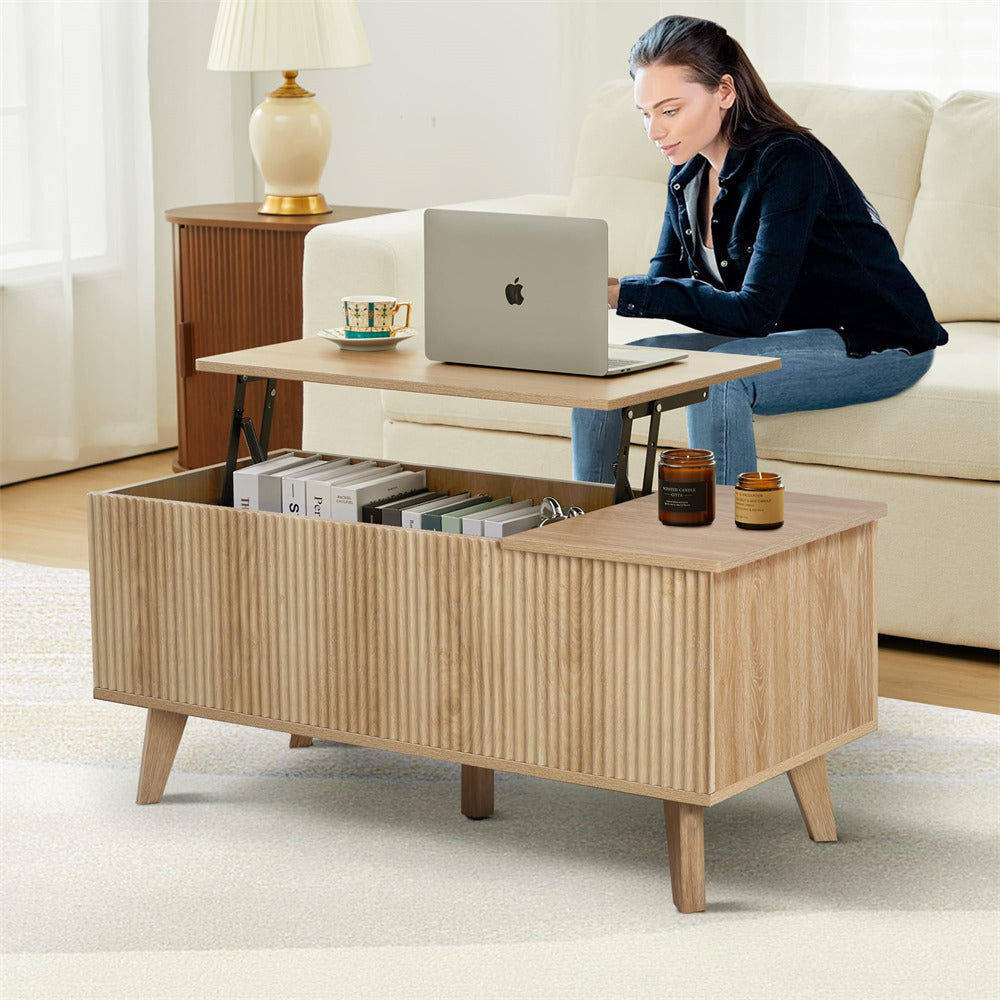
[(523, 291)]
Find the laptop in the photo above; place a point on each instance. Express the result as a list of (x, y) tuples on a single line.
[(523, 291)]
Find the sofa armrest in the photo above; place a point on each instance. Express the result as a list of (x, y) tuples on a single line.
[(522, 204), (378, 255)]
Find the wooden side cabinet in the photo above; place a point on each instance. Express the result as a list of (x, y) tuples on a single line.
[(237, 284)]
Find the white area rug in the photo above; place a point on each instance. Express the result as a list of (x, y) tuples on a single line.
[(338, 871)]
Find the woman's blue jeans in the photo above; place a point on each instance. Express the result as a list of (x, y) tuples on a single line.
[(815, 374)]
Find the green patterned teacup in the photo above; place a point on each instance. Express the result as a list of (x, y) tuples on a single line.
[(373, 315)]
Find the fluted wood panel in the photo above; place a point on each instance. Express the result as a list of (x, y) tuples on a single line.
[(238, 288), (418, 637), (362, 629), (796, 652), (597, 678)]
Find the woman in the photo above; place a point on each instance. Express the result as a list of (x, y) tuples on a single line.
[(768, 246)]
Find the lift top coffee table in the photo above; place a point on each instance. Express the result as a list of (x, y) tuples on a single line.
[(683, 664)]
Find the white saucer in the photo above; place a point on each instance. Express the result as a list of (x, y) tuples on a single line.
[(345, 343)]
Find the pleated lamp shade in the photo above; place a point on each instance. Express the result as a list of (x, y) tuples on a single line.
[(288, 34), (290, 131)]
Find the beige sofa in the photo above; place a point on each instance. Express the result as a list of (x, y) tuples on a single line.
[(932, 453)]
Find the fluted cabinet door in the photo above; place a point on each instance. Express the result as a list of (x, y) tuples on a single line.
[(237, 284), (240, 288)]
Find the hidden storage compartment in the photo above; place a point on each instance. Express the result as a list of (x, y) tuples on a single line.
[(350, 627)]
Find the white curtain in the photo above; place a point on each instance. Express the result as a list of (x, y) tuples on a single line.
[(935, 45), (78, 376)]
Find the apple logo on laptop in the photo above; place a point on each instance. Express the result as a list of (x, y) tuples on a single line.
[(513, 293)]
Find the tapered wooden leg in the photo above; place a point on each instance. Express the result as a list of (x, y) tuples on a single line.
[(163, 736), (477, 791), (686, 854), (812, 792), (299, 741)]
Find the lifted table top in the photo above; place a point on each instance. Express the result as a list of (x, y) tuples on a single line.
[(317, 360)]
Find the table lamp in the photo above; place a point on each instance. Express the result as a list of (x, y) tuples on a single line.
[(290, 130)]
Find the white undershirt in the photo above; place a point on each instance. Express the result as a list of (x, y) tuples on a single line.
[(705, 255)]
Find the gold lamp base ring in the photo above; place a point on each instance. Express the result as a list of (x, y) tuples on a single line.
[(303, 204)]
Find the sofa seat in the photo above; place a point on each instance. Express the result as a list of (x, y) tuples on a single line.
[(948, 424)]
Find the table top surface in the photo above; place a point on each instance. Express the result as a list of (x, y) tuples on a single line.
[(631, 532), (245, 215), (407, 369)]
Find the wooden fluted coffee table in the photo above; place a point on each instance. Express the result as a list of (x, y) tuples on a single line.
[(683, 664)]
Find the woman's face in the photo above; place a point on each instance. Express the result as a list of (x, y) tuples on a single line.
[(682, 117)]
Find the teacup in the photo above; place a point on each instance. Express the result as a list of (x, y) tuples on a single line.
[(373, 315)]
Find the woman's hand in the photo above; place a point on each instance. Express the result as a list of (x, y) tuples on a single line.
[(613, 289)]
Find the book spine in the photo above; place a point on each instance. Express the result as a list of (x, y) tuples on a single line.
[(394, 517), (513, 525), (474, 525), (317, 497), (270, 493), (319, 490), (245, 493), (453, 522), (295, 503), (431, 521), (346, 501), (413, 518), (373, 513)]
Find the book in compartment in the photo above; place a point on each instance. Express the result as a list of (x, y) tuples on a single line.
[(372, 513), (472, 524), (431, 520), (321, 485), (453, 522), (412, 515), (293, 486), (392, 513), (246, 480), (521, 520), (347, 499), (267, 478)]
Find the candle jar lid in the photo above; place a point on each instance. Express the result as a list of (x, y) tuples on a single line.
[(759, 481), (687, 458)]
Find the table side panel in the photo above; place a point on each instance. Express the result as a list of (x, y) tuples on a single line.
[(795, 652)]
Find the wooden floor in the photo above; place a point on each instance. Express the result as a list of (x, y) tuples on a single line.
[(44, 521)]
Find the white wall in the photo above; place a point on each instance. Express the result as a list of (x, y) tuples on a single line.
[(932, 45), (200, 153), (473, 100)]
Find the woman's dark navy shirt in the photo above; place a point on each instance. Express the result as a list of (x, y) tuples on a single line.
[(798, 247)]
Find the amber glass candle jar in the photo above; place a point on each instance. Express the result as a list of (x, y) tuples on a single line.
[(687, 487), (760, 501)]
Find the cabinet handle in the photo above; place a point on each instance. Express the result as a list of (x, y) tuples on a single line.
[(185, 342)]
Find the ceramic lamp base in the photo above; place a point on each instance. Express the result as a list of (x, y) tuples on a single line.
[(290, 139)]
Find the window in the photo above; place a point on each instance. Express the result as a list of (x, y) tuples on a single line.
[(56, 154)]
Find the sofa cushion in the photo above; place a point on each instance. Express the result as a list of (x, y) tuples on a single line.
[(948, 424), (953, 243), (621, 176), (859, 125)]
